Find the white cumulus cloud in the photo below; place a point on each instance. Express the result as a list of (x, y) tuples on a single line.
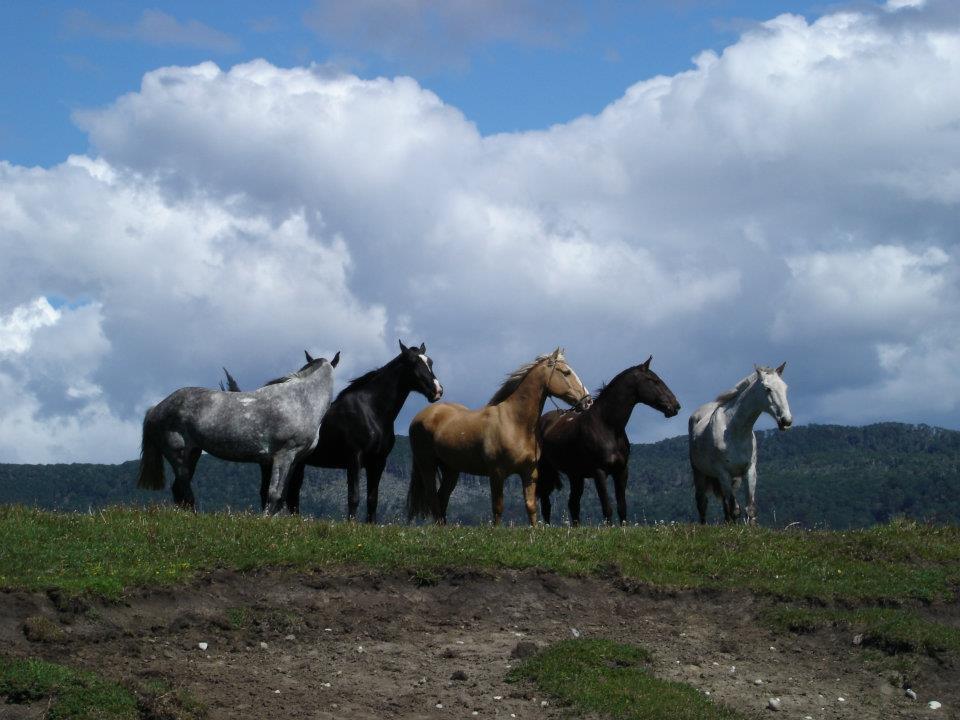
[(792, 197)]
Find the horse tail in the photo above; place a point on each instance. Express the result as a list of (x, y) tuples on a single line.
[(150, 476), (422, 493)]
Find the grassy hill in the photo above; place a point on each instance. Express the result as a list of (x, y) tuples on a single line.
[(818, 475)]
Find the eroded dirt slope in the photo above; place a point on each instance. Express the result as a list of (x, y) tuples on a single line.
[(284, 645)]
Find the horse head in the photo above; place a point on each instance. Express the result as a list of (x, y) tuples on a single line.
[(775, 391), (562, 381), (653, 391), (419, 367)]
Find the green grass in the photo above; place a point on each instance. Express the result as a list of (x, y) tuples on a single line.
[(107, 552), (891, 629), (600, 676), (71, 694)]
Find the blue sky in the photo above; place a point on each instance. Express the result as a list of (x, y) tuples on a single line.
[(718, 183), (63, 56)]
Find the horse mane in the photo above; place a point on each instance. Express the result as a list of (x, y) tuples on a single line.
[(306, 371), (358, 382), (516, 377), (738, 389), (605, 386)]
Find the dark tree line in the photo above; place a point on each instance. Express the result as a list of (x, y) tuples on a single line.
[(818, 475)]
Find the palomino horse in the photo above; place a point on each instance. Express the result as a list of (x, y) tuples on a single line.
[(723, 448), (497, 440), (593, 442), (357, 431), (275, 426)]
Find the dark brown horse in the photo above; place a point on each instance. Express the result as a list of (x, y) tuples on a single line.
[(593, 442)]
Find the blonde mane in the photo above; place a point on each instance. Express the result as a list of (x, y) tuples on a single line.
[(517, 376)]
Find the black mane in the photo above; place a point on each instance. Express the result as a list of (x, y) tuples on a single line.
[(359, 382)]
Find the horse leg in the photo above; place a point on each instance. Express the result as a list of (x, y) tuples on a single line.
[(576, 491), (184, 462), (264, 486), (353, 488), (496, 497), (546, 482), (374, 468), (279, 474), (731, 509), (530, 495), (448, 481), (751, 495), (600, 479), (620, 487), (294, 484), (700, 482)]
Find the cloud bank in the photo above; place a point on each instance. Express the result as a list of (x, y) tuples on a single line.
[(792, 198)]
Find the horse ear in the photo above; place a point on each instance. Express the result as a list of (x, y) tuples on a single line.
[(782, 366), (646, 364), (759, 371), (423, 348), (403, 348), (309, 359), (336, 359), (556, 353)]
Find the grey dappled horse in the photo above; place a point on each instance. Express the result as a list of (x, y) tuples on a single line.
[(274, 426), (723, 448)]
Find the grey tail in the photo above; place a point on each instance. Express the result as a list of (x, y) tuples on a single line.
[(150, 476)]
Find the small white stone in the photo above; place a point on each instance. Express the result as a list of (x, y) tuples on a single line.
[(328, 629), (733, 669), (203, 646), (841, 699), (773, 704), (575, 632), (934, 705), (543, 703), (291, 637), (911, 694), (359, 648), (326, 684), (773, 648), (276, 692), (498, 697), (439, 706), (758, 681), (263, 645)]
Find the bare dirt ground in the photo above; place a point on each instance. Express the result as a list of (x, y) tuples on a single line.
[(293, 645)]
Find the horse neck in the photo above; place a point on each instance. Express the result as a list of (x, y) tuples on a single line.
[(526, 402), (309, 391), (742, 414), (615, 404), (387, 392)]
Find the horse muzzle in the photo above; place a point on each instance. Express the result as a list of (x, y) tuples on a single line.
[(784, 423), (672, 412), (437, 391)]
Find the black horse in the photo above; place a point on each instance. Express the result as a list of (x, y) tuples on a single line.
[(593, 442), (357, 431)]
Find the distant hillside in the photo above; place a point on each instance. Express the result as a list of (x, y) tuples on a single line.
[(818, 475)]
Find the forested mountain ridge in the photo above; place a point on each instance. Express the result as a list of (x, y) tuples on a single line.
[(817, 475)]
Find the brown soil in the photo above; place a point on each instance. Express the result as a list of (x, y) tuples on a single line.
[(373, 646)]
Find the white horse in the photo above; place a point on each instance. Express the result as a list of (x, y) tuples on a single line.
[(723, 448)]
